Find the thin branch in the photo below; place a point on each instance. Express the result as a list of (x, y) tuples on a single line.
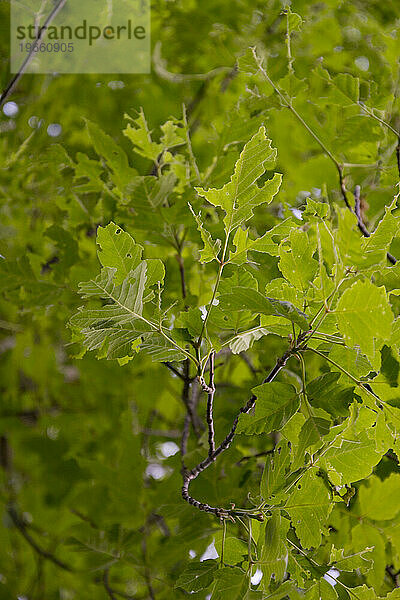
[(20, 525), (357, 211), (182, 274), (185, 439), (210, 405), (188, 476), (328, 153), (107, 585), (343, 186), (41, 31), (257, 455), (166, 433), (398, 155), (174, 370), (147, 572)]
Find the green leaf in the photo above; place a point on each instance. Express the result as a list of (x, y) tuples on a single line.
[(348, 86), (353, 456), (322, 590), (119, 323), (325, 392), (296, 263), (276, 404), (267, 243), (149, 193), (363, 592), (380, 500), (274, 553), (241, 195), (247, 63), (211, 247), (161, 349), (379, 241), (114, 155), (365, 535), (229, 583), (235, 550), (197, 576), (351, 359), (138, 132), (241, 298), (275, 471), (294, 21), (190, 320), (311, 433), (118, 250), (243, 341), (350, 562), (309, 507), (364, 316)]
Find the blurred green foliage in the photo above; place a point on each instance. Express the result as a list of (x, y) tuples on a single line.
[(90, 468)]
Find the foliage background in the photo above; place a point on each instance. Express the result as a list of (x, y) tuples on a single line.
[(78, 435)]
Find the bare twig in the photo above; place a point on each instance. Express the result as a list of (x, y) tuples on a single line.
[(185, 439), (182, 274), (20, 525), (167, 433), (343, 186), (357, 211), (174, 370), (210, 405), (41, 31), (257, 455), (107, 585), (147, 572), (188, 476)]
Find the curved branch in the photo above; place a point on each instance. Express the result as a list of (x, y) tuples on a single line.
[(189, 476)]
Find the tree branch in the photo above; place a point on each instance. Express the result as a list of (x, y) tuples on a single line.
[(325, 149), (210, 389), (189, 476), (174, 370), (41, 31), (20, 525), (107, 585)]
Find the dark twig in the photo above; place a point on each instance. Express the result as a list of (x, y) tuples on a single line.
[(360, 222), (210, 405), (182, 274), (258, 455), (174, 370), (107, 585), (147, 572), (188, 476), (185, 439), (398, 155), (41, 31), (20, 525), (343, 186), (357, 210), (394, 575)]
